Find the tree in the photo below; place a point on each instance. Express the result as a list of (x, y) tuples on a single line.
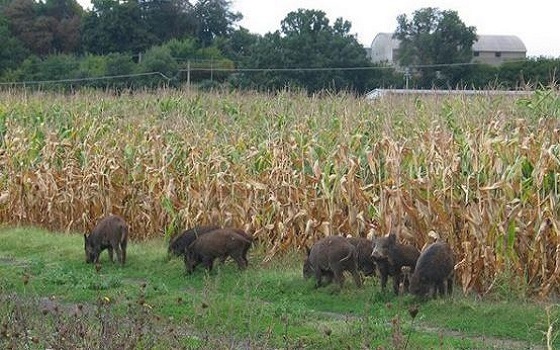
[(214, 19), (45, 27), (169, 19), (12, 50), (239, 44), (434, 37), (66, 18), (24, 23), (308, 40), (115, 26)]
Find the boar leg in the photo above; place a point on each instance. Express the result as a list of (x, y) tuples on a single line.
[(396, 283), (384, 278), (208, 263), (123, 248), (190, 264), (329, 276), (450, 285), (339, 277), (383, 274), (318, 277), (357, 278), (241, 262), (110, 250), (440, 286), (119, 254)]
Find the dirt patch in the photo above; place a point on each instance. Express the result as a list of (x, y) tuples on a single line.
[(11, 261)]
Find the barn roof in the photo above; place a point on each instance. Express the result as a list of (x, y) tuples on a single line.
[(494, 43), (501, 43), (389, 36)]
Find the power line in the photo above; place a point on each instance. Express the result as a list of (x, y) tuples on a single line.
[(294, 69), (199, 69), (239, 70), (76, 80)]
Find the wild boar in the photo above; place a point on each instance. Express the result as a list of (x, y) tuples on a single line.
[(110, 233), (219, 243), (434, 268), (180, 242), (390, 256), (330, 257), (364, 248), (406, 275)]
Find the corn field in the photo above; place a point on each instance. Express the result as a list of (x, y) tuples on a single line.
[(480, 171)]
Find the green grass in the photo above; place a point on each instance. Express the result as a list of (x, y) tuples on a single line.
[(153, 303)]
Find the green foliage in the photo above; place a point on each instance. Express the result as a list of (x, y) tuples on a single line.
[(56, 67), (93, 66), (53, 68), (533, 73), (159, 59), (12, 50), (120, 64)]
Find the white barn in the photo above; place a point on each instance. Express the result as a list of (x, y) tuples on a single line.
[(496, 49), (488, 49)]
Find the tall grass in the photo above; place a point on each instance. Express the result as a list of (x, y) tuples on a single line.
[(482, 171)]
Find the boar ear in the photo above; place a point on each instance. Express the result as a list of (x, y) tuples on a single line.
[(85, 237), (307, 250), (392, 237)]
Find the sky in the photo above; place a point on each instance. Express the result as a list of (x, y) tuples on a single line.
[(534, 22)]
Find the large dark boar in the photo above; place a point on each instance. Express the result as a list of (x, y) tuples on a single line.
[(110, 233), (435, 266), (330, 257), (364, 248), (179, 243), (219, 243), (390, 256)]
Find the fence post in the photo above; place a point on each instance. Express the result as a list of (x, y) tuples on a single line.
[(188, 74)]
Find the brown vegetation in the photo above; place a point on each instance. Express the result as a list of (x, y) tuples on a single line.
[(480, 171)]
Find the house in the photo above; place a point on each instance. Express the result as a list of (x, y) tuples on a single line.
[(488, 49)]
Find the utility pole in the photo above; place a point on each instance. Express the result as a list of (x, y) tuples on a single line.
[(406, 76)]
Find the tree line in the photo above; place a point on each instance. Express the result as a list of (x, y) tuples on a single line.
[(149, 43)]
